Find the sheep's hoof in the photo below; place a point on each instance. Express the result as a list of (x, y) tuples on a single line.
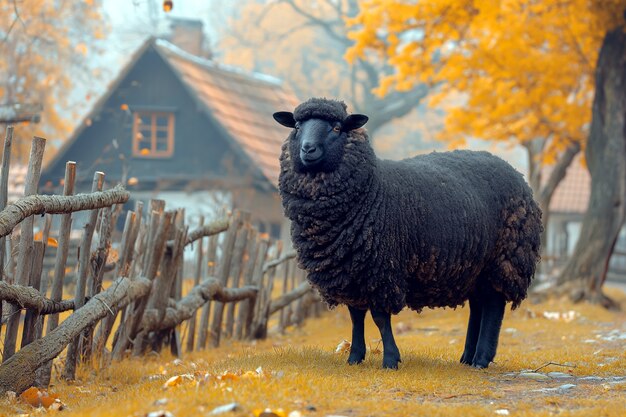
[(465, 359), (356, 358), (480, 364), (391, 362)]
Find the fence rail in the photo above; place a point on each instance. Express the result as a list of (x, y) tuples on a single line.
[(136, 299)]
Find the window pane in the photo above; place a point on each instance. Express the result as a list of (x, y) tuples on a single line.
[(162, 120), (161, 135), (161, 146), (144, 119)]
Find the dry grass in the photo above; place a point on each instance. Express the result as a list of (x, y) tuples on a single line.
[(304, 373)]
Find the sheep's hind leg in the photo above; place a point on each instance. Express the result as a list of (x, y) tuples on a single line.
[(357, 349), (473, 330), (391, 354), (491, 320)]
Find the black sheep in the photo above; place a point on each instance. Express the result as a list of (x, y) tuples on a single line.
[(430, 231)]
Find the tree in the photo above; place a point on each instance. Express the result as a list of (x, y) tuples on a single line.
[(586, 270), (44, 45), (307, 51), (525, 71)]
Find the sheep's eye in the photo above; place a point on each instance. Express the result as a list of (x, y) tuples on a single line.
[(337, 129), (297, 126)]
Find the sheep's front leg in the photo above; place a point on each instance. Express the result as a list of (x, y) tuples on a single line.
[(473, 330), (391, 354), (357, 349)]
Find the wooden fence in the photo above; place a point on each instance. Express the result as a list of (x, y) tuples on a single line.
[(134, 299)]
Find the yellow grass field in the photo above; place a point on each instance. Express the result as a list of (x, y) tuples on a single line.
[(302, 374)]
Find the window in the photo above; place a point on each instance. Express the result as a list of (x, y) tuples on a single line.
[(153, 134)]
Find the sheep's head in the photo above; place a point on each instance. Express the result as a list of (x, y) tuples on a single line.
[(320, 129)]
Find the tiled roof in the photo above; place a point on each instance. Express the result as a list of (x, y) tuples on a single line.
[(572, 194), (242, 103)]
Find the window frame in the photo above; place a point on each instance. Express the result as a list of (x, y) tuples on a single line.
[(153, 153)]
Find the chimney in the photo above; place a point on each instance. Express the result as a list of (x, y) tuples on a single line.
[(188, 34)]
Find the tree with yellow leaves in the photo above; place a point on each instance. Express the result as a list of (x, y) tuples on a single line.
[(44, 45), (524, 71)]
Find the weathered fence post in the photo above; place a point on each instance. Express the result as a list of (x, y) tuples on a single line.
[(4, 195), (206, 309), (224, 270), (25, 254), (248, 270), (81, 279), (196, 280), (237, 261)]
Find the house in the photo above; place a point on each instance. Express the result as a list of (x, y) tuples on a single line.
[(567, 209), (185, 129)]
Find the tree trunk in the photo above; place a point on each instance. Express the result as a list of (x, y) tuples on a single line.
[(586, 270)]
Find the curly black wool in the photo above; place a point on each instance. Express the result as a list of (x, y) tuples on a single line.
[(321, 108), (422, 232)]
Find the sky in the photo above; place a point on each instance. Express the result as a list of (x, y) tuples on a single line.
[(132, 20)]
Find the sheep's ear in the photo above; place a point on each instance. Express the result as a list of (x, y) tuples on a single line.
[(354, 121), (285, 118)]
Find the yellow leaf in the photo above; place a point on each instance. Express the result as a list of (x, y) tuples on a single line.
[(343, 347), (177, 380), (52, 242), (228, 376)]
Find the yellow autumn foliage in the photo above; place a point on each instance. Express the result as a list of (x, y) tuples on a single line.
[(519, 69), (45, 47)]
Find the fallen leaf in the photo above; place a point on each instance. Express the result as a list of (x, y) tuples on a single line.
[(225, 408), (177, 380), (279, 412), (159, 413), (228, 376), (343, 347), (39, 398)]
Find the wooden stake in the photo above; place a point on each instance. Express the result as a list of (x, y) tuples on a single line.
[(206, 309), (196, 280), (224, 270), (236, 270), (81, 279), (4, 193), (24, 259), (248, 270)]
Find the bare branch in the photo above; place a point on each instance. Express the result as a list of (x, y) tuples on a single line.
[(25, 207), (276, 262), (30, 298), (209, 290), (326, 25), (558, 173), (287, 298), (211, 229)]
